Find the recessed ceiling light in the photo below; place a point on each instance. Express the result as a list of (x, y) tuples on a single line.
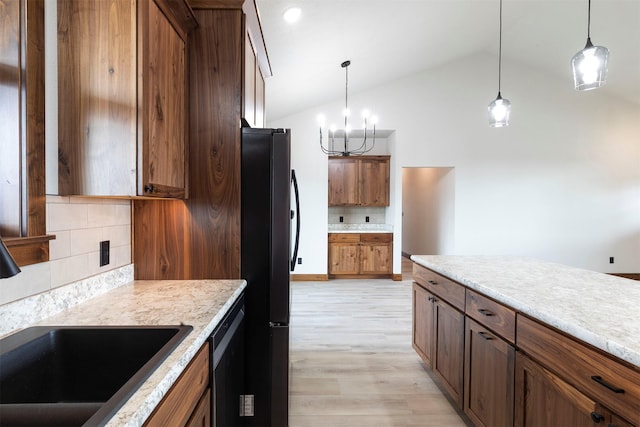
[(292, 14)]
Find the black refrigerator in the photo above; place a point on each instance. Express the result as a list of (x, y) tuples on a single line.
[(268, 254)]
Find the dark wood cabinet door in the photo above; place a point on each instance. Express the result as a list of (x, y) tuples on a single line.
[(423, 328), (374, 182), (543, 399), (489, 377), (343, 181), (164, 106), (448, 360)]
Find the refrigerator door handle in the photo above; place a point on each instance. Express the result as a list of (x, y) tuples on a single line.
[(294, 182)]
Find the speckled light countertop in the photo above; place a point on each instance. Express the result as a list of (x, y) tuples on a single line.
[(199, 303), (599, 309), (360, 228)]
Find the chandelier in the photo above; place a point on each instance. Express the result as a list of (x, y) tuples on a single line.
[(332, 132)]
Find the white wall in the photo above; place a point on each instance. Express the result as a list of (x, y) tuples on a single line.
[(562, 183)]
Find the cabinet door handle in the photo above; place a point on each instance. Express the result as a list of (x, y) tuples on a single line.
[(486, 312), (485, 335), (148, 188), (611, 387), (597, 418), (433, 282)]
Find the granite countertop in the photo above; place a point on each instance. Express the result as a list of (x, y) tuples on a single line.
[(360, 228), (199, 303), (597, 308)]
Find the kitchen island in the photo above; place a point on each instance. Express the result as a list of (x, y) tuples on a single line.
[(534, 329), (199, 303)]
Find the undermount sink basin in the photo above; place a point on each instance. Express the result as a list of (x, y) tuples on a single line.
[(59, 375)]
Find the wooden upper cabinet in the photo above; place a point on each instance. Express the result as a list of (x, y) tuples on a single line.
[(122, 97), (359, 181), (253, 89)]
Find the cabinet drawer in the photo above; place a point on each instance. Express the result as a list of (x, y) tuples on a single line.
[(376, 237), (446, 289), (493, 315), (344, 237), (609, 382)]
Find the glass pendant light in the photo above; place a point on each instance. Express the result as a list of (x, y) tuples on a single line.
[(499, 108), (590, 64)]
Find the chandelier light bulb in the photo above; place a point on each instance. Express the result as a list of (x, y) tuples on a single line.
[(374, 120), (365, 114)]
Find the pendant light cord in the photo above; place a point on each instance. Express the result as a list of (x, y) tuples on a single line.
[(589, 21), (500, 50)]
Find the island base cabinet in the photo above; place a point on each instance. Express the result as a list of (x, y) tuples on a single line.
[(543, 399), (489, 377), (422, 329), (448, 359)]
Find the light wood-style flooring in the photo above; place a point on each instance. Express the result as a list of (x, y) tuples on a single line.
[(352, 363)]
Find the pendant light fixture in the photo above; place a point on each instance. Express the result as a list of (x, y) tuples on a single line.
[(367, 121), (590, 64), (499, 108)]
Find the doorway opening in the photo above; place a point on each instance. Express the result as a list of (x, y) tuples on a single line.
[(428, 209)]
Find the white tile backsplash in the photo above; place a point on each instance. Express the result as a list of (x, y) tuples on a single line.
[(79, 224), (357, 215)]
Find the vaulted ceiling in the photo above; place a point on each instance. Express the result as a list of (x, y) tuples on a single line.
[(389, 39)]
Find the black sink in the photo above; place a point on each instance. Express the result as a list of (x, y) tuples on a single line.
[(70, 376)]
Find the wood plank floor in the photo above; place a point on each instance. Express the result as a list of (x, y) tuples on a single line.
[(352, 363)]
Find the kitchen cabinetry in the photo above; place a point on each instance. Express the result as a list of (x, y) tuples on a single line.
[(188, 402), (122, 96), (590, 387), (360, 254), (253, 89), (518, 371), (359, 180), (438, 328), (489, 361), (169, 240)]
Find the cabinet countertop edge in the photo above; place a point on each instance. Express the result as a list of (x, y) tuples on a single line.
[(199, 303), (597, 308)]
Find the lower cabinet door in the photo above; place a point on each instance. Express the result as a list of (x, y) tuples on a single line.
[(423, 330), (344, 258), (543, 399), (201, 416), (489, 377), (375, 258), (448, 360)]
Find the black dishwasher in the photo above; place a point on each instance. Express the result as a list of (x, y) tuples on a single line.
[(228, 367)]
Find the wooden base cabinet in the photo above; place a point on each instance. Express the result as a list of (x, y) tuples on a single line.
[(423, 308), (438, 337), (187, 403), (489, 377), (543, 399), (360, 255)]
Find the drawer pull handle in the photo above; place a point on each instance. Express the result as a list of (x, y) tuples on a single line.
[(486, 312), (485, 335), (611, 387), (433, 282), (597, 418)]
